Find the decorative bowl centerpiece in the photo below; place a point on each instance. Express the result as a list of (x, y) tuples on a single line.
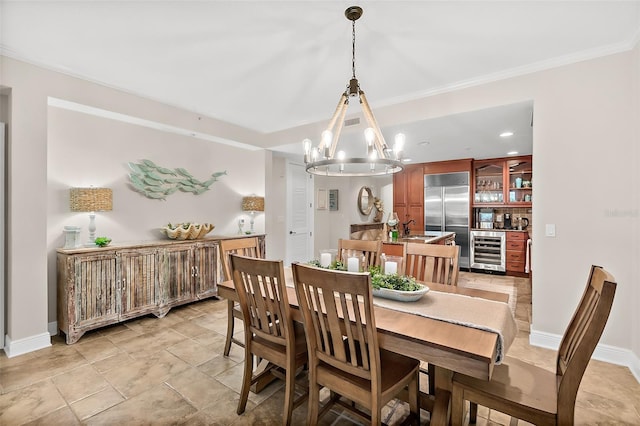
[(396, 287), (187, 231), (388, 286)]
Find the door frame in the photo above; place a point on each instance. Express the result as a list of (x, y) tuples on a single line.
[(310, 217)]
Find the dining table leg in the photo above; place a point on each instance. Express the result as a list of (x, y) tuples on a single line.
[(441, 414)]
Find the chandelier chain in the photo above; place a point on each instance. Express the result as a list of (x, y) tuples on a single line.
[(353, 47)]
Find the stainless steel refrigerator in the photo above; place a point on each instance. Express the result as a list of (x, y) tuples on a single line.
[(446, 208)]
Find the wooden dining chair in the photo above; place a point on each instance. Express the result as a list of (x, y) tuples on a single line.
[(434, 263), (244, 247), (269, 331), (534, 394), (344, 354), (370, 249)]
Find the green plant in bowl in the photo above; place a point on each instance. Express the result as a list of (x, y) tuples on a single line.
[(335, 265), (102, 241), (392, 281)]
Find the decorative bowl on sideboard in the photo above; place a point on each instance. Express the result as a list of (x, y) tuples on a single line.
[(187, 231)]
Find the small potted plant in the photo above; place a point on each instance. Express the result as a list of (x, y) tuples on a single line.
[(102, 241)]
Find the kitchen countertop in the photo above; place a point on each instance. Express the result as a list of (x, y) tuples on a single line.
[(429, 237), (499, 230)]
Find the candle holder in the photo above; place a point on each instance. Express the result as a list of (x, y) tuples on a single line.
[(327, 257), (392, 264)]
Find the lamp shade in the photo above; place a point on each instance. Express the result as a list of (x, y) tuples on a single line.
[(90, 199), (253, 204)]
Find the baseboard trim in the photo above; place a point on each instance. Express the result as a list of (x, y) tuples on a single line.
[(607, 353), (26, 345)]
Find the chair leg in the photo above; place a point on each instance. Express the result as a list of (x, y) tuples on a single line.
[(230, 323), (473, 412), (246, 381), (457, 406), (314, 402), (432, 379), (289, 393), (376, 415), (414, 396)]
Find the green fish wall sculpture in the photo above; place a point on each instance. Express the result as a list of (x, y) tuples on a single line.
[(157, 182)]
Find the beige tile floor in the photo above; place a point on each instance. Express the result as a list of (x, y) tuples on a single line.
[(171, 371)]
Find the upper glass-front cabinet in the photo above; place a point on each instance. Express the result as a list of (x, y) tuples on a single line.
[(489, 182), (503, 181), (520, 174)]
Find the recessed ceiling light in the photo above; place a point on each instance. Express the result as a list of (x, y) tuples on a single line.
[(407, 160), (506, 134), (512, 152), (424, 143)]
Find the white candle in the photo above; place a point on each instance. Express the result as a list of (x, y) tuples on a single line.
[(353, 264), (390, 268), (325, 259)]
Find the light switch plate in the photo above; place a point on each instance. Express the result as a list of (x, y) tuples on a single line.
[(550, 230)]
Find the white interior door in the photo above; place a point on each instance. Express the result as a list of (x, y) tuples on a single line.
[(299, 214), (3, 286)]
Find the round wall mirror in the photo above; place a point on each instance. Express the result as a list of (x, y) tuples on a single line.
[(365, 200)]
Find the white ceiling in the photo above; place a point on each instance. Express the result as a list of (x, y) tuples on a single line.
[(273, 65)]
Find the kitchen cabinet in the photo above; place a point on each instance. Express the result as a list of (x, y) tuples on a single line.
[(516, 250), (503, 182), (408, 196), (520, 172), (102, 286)]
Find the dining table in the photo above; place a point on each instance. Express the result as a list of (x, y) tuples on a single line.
[(450, 346)]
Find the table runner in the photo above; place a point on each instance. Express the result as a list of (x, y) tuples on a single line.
[(475, 312), (469, 311)]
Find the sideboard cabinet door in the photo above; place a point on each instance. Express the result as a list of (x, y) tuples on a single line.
[(177, 275), (139, 286), (205, 263), (87, 293)]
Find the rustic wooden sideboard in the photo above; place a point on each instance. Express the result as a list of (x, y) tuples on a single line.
[(102, 286)]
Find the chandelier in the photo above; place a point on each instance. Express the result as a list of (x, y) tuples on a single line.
[(378, 159)]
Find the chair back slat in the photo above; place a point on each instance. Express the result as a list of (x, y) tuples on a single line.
[(261, 289), (433, 262), (248, 247), (369, 249), (339, 307), (581, 337)]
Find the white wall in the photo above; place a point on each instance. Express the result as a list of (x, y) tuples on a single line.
[(635, 318)]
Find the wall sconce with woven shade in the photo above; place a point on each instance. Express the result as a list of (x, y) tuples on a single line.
[(252, 204), (91, 200)]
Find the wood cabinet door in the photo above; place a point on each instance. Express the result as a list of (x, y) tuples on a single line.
[(399, 190), (415, 198), (140, 292), (205, 264), (177, 274), (93, 292)]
